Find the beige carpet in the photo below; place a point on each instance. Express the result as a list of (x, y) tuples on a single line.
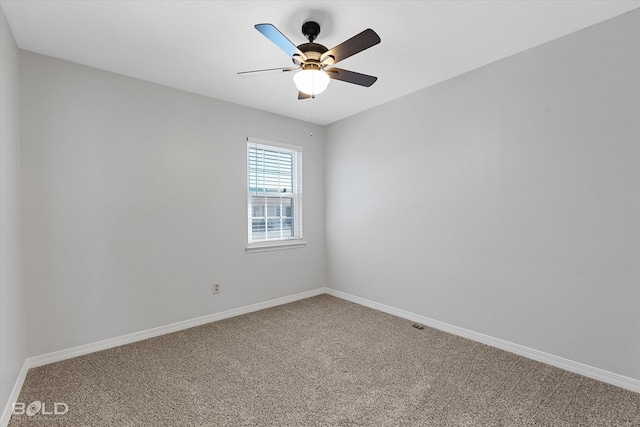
[(317, 362)]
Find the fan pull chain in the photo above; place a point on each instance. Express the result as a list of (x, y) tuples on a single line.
[(310, 117)]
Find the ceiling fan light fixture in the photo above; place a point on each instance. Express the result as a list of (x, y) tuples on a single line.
[(311, 82)]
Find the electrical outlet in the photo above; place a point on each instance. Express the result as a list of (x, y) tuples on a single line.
[(215, 288)]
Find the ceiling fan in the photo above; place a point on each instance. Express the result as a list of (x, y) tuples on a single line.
[(314, 63)]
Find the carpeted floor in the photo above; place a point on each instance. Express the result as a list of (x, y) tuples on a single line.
[(317, 362)]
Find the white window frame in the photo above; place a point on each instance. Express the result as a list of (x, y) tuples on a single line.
[(295, 194)]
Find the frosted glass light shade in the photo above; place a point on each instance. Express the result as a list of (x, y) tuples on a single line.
[(311, 82)]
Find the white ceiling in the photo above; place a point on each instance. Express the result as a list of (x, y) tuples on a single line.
[(199, 46)]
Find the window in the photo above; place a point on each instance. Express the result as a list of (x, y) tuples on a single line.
[(274, 190)]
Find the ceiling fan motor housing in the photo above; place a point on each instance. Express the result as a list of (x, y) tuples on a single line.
[(311, 30), (314, 53)]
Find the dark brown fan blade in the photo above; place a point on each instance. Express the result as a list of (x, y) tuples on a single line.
[(256, 73), (302, 95), (355, 44), (351, 77), (279, 39)]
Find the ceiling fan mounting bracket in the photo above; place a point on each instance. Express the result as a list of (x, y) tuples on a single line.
[(297, 59), (310, 30)]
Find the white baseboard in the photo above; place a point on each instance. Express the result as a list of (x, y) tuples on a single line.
[(13, 397), (549, 359), (58, 356)]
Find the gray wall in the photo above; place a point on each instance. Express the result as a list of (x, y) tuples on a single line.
[(504, 201), (134, 199), (12, 307)]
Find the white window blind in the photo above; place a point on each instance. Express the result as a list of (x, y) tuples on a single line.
[(274, 190)]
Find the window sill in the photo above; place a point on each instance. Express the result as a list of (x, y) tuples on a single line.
[(275, 246)]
